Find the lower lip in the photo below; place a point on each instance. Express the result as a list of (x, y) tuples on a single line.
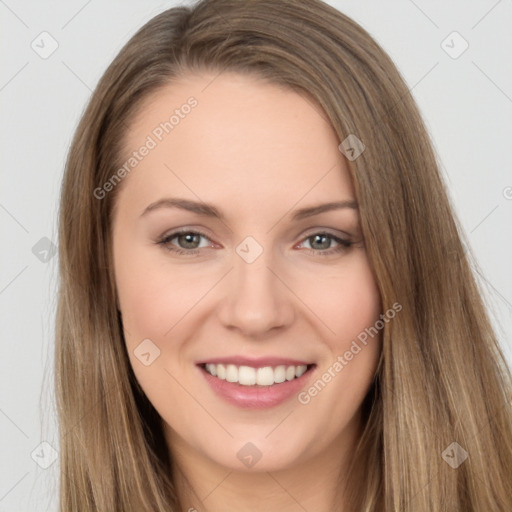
[(254, 397)]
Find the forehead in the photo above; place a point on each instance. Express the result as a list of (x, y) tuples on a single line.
[(234, 136)]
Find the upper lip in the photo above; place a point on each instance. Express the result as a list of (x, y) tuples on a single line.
[(258, 362)]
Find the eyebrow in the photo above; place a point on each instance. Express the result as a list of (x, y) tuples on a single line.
[(208, 210)]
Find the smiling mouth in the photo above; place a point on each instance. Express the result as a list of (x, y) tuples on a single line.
[(256, 377)]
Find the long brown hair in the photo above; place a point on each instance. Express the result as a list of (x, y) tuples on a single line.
[(442, 377)]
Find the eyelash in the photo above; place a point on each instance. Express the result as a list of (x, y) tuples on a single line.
[(164, 241)]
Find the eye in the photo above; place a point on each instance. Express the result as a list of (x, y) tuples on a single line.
[(189, 243), (188, 240), (320, 243)]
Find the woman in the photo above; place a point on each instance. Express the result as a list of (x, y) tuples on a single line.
[(258, 370)]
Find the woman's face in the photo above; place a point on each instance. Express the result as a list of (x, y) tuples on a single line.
[(262, 276)]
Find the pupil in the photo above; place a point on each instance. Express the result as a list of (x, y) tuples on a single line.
[(187, 240), (326, 243)]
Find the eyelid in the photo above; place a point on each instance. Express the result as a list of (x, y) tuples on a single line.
[(326, 231)]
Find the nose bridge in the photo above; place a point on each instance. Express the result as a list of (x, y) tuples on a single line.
[(256, 300)]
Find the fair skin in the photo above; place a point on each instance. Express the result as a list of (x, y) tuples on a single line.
[(258, 153)]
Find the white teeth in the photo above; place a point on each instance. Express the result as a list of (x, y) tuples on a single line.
[(265, 376), (249, 376), (231, 373), (221, 371), (279, 374), (212, 368), (300, 370)]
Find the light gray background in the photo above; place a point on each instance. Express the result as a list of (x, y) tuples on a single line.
[(466, 102)]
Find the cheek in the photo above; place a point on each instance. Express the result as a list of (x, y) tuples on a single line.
[(148, 308), (152, 301), (152, 297), (351, 308), (360, 309), (345, 301), (358, 303)]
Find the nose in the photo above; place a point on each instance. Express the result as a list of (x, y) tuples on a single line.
[(256, 301)]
